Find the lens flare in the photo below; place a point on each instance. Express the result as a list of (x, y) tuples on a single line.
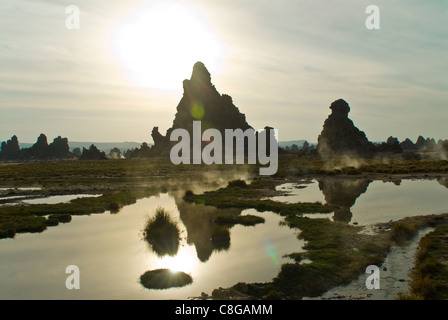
[(270, 250), (197, 111)]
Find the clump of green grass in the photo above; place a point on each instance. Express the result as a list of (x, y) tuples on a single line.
[(232, 219), (424, 287), (164, 279), (237, 184), (226, 198), (338, 254), (429, 279), (62, 218), (273, 295), (404, 296), (296, 256), (403, 231), (19, 219), (162, 233), (114, 207), (7, 233), (220, 233), (11, 224), (350, 171), (52, 221)]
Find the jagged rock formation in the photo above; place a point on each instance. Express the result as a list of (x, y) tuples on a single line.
[(77, 152), (39, 150), (408, 145), (425, 144), (58, 149), (200, 102), (392, 140), (92, 154), (340, 137), (425, 148), (10, 149), (392, 145), (144, 151), (306, 150)]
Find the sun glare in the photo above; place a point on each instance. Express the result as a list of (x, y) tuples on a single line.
[(184, 261), (158, 44)]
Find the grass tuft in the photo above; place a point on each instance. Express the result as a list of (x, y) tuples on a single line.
[(164, 279), (162, 233)]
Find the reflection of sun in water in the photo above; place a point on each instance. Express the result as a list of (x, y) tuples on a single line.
[(159, 44), (185, 260)]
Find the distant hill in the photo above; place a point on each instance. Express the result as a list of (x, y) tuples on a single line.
[(102, 146)]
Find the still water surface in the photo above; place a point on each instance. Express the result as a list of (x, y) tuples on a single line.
[(365, 202), (111, 255)]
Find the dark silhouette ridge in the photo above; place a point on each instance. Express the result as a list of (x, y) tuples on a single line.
[(41, 150), (143, 152), (425, 148), (340, 137), (10, 149), (92, 154), (423, 144), (408, 145), (77, 152), (306, 150), (392, 145), (59, 148)]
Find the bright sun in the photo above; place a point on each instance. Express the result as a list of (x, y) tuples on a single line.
[(184, 261), (159, 44)]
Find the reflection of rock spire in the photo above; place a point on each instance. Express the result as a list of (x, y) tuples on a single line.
[(199, 222), (343, 193), (443, 181)]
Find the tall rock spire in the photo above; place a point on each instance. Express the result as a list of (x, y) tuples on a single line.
[(201, 102), (200, 74), (340, 137)]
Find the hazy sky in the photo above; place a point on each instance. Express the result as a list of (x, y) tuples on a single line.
[(283, 62)]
